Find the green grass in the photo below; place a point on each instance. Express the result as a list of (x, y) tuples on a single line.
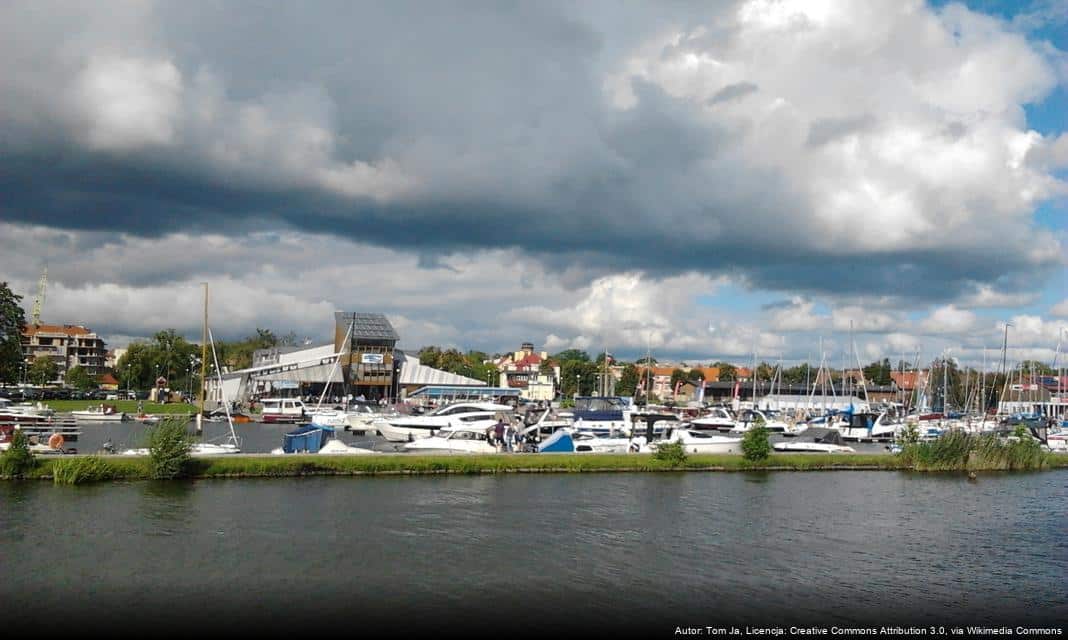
[(126, 406), (139, 468), (959, 451)]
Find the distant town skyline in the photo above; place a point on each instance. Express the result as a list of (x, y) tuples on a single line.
[(704, 180)]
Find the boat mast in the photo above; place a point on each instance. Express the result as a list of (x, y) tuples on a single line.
[(203, 359), (222, 395)]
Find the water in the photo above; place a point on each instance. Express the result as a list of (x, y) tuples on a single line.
[(540, 553)]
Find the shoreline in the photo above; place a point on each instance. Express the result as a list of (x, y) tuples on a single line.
[(289, 466)]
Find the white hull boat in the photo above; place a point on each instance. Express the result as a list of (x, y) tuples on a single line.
[(453, 440), (95, 415), (815, 440), (696, 441), (468, 414)]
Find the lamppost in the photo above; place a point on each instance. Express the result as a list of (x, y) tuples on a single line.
[(577, 376)]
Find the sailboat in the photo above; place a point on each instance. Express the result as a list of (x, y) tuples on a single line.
[(232, 444)]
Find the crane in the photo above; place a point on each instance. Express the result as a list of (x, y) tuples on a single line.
[(39, 300)]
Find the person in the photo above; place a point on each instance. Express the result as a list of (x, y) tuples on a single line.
[(140, 408), (498, 434)]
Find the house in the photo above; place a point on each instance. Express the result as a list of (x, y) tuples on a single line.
[(523, 370), (69, 345), (107, 382)]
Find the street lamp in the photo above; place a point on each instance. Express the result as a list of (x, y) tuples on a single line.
[(577, 376)]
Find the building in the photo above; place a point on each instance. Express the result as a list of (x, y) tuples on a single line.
[(69, 345), (523, 370), (112, 357), (362, 360)]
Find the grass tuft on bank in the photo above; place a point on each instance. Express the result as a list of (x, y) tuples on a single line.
[(125, 406)]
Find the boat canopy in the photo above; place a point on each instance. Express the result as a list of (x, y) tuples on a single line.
[(559, 442), (307, 439)]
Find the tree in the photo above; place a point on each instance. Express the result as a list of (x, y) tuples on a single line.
[(797, 375), (12, 322), (755, 445), (765, 371), (572, 354), (17, 460), (1029, 367), (645, 360), (694, 375), (628, 381), (79, 378), (42, 371), (727, 372), (677, 376)]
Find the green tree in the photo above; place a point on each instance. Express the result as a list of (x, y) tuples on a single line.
[(572, 354), (727, 371), (645, 360), (628, 381), (573, 372), (755, 445), (79, 378), (17, 460), (694, 375), (12, 322), (798, 374), (1029, 367), (677, 376), (765, 371), (42, 371)]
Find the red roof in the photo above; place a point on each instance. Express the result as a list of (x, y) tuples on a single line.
[(106, 378), (529, 360), (65, 329), (908, 380)]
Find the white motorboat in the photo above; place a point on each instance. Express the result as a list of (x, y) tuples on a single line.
[(100, 413), (716, 419), (460, 439), (815, 440), (697, 441), (471, 414), (283, 410), (751, 417), (866, 426), (329, 418)]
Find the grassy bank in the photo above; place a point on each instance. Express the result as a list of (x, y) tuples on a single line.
[(126, 406), (78, 469)]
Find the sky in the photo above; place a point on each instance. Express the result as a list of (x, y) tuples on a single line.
[(703, 180)]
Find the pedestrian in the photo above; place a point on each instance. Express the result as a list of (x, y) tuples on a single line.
[(498, 433)]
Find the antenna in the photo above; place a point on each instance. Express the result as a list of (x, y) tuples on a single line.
[(38, 302)]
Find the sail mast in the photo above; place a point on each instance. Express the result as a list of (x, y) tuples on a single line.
[(203, 359)]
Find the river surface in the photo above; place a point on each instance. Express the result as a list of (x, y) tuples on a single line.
[(537, 554)]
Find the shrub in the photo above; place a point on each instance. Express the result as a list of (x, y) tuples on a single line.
[(17, 460), (81, 470), (168, 448), (755, 445), (670, 452), (909, 434)]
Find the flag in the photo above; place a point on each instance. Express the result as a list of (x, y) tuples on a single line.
[(737, 388)]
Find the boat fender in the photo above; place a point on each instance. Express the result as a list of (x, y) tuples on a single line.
[(635, 447), (55, 441)]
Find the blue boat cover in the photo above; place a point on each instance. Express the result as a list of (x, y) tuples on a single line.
[(559, 442), (306, 439)]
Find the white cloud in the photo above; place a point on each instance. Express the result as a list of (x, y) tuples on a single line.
[(1060, 309), (129, 102), (948, 320)]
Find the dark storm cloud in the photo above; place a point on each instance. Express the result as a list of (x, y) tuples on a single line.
[(497, 113)]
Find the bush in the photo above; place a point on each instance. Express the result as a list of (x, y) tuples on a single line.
[(909, 434), (670, 452), (168, 448), (755, 445), (81, 470), (17, 460), (956, 450)]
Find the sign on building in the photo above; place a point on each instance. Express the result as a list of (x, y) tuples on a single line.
[(372, 358)]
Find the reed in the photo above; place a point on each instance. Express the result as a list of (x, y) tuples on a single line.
[(268, 466), (959, 451)]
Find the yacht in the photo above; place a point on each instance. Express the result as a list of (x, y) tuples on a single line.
[(866, 426), (717, 419), (750, 417), (571, 440), (100, 413), (471, 414), (283, 410), (459, 439), (697, 441), (815, 440)]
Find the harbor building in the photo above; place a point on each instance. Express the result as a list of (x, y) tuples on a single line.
[(68, 345), (523, 370), (361, 360)]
